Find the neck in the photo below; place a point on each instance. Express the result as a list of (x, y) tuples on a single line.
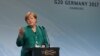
[(34, 28)]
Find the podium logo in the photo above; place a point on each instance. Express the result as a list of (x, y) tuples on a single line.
[(49, 52)]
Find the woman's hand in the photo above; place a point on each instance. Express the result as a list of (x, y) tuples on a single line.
[(21, 32), (43, 46)]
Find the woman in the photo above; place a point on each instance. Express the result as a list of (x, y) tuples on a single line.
[(31, 35)]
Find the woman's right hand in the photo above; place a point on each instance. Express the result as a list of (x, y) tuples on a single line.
[(21, 31)]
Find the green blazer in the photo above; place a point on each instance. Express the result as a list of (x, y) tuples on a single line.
[(29, 39)]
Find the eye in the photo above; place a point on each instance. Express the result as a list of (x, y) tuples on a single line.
[(32, 18)]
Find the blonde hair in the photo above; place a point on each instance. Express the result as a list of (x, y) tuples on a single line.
[(30, 13)]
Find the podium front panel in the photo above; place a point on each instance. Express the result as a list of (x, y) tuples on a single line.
[(54, 51)]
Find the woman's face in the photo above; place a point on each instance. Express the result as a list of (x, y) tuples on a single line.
[(31, 21)]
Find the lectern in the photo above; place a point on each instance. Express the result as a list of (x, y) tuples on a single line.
[(52, 51)]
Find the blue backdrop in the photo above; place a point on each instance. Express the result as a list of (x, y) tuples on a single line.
[(75, 31)]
